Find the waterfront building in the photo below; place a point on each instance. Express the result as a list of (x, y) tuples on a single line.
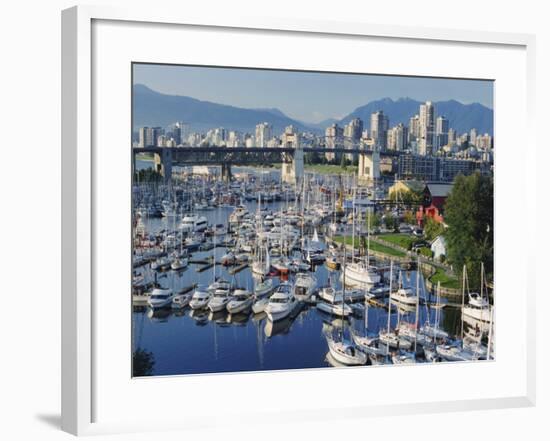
[(264, 132), (431, 168), (379, 124), (426, 128)]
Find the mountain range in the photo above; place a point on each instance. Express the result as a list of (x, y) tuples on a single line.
[(152, 108)]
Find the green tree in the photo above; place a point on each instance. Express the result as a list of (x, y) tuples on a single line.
[(432, 228), (390, 222), (409, 217), (469, 217)]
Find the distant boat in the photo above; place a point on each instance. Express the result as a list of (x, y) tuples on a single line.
[(180, 301)]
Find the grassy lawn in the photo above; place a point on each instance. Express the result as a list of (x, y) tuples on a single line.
[(446, 281), (147, 156), (330, 169), (399, 239), (373, 247)]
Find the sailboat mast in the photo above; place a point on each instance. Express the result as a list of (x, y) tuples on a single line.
[(417, 301), (462, 310), (389, 297)]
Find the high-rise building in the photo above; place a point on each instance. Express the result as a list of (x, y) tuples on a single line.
[(473, 136), (414, 129), (264, 132), (441, 132), (334, 138), (379, 124), (352, 136), (426, 129), (291, 137), (148, 136), (398, 137)]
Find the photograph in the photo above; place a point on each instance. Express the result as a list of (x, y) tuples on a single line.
[(293, 219)]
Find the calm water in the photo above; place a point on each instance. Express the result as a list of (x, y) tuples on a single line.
[(187, 342)]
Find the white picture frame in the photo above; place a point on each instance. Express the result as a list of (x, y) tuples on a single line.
[(81, 199)]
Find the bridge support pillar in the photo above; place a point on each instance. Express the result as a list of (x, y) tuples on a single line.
[(163, 164), (293, 172), (226, 172), (369, 167)]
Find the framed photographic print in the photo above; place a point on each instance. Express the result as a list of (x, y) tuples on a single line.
[(291, 208)]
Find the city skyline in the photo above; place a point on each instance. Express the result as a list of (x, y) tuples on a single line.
[(311, 97)]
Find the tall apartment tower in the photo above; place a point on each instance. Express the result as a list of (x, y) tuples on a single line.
[(264, 132), (426, 129), (441, 131), (379, 124)]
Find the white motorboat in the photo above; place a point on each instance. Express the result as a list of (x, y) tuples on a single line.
[(161, 263), (478, 308), (329, 294), (360, 274), (259, 305), (282, 303), (263, 288), (346, 353), (304, 286), (200, 298), (179, 263), (219, 300), (160, 298), (193, 223), (332, 303), (405, 296), (242, 299), (219, 284), (180, 301), (455, 353)]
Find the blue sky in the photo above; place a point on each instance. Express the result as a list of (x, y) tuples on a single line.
[(306, 96)]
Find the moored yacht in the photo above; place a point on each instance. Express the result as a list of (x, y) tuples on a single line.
[(242, 299), (360, 274), (160, 298), (282, 303), (304, 286), (200, 298)]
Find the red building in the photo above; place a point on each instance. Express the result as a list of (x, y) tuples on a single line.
[(433, 204)]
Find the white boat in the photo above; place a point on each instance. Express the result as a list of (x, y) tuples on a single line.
[(193, 223), (332, 303), (200, 298), (304, 286), (282, 303), (329, 294), (455, 353), (160, 298), (259, 305), (180, 301), (405, 296), (179, 264), (242, 299), (478, 308), (403, 358), (346, 353), (360, 274), (263, 288), (161, 263), (219, 300), (390, 339), (219, 284), (433, 331), (228, 259)]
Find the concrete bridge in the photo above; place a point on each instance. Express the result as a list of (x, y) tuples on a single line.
[(292, 159)]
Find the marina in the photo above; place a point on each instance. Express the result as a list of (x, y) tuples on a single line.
[(247, 275)]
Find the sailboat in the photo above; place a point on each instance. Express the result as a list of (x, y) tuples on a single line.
[(360, 273)]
